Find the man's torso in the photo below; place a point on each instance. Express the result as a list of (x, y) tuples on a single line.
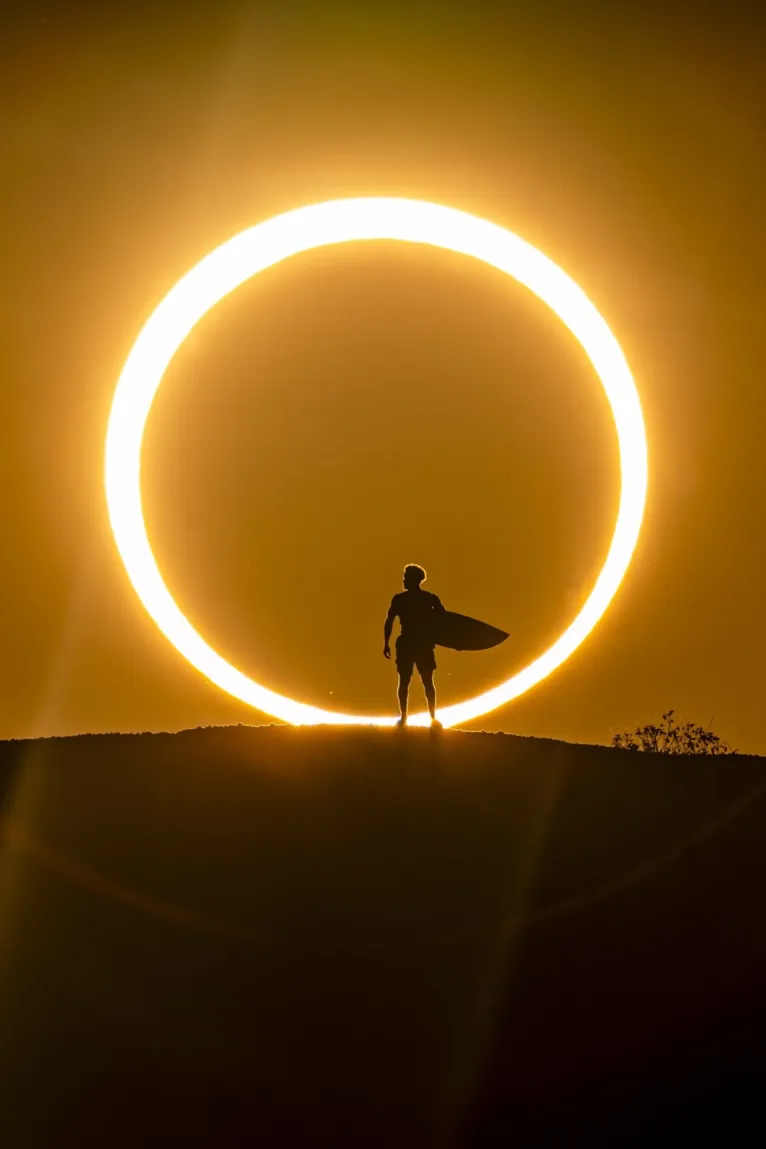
[(415, 611)]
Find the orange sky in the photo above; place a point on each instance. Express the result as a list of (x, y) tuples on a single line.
[(355, 410)]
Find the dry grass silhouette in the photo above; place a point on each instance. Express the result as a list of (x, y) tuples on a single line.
[(671, 737)]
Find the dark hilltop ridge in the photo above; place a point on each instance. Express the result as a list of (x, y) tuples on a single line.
[(377, 938)]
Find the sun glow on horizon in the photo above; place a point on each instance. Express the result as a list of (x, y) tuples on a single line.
[(342, 221)]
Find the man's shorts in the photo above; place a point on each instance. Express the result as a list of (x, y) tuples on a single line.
[(409, 656)]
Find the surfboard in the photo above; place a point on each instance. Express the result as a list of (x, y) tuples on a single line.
[(459, 632)]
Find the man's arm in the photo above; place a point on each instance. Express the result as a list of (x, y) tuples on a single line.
[(389, 626)]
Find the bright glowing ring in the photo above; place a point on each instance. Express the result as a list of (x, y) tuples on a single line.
[(341, 221)]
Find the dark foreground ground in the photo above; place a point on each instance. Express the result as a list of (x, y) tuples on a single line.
[(272, 936)]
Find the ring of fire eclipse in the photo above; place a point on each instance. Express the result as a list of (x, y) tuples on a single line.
[(341, 221)]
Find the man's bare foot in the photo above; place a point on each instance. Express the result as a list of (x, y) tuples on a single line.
[(401, 723), (436, 724)]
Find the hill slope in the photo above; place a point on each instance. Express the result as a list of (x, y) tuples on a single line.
[(367, 937)]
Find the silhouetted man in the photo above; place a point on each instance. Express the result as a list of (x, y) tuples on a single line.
[(415, 609)]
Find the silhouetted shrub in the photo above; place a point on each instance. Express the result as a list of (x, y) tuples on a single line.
[(670, 738)]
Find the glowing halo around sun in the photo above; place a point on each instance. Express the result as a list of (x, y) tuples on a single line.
[(341, 221)]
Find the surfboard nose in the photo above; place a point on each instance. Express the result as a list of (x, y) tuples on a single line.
[(460, 632)]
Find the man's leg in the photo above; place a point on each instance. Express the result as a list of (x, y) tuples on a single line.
[(404, 689), (430, 692)]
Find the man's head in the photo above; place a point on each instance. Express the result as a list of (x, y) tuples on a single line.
[(413, 576)]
